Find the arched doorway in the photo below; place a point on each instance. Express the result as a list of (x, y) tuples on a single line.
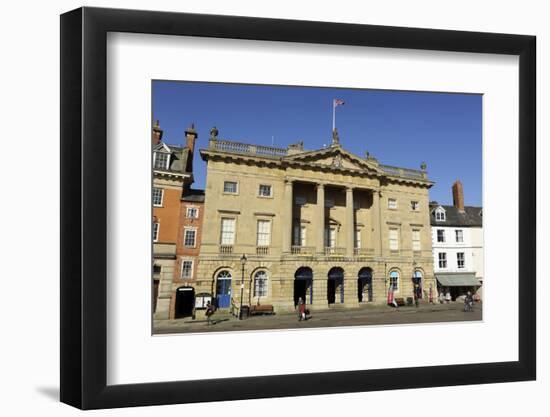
[(185, 302), (417, 283), (223, 289), (335, 285), (303, 285), (364, 285)]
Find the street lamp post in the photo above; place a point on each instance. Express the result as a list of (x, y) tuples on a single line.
[(243, 263)]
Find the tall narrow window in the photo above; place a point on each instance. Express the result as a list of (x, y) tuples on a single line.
[(416, 239), (442, 260), (392, 203), (186, 269), (459, 235), (394, 239), (394, 280), (260, 284), (264, 233), (161, 160), (228, 231), (158, 193), (414, 205), (299, 235), (189, 238), (460, 260), (330, 237), (357, 240), (156, 227), (440, 235)]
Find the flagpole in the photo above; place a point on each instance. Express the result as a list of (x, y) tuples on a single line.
[(333, 116)]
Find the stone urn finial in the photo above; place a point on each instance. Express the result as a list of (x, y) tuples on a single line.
[(214, 133)]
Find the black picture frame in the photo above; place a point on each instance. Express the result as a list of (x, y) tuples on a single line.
[(84, 207)]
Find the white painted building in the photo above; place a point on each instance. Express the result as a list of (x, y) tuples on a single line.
[(457, 244)]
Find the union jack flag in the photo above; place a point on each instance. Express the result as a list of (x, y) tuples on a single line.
[(337, 102)]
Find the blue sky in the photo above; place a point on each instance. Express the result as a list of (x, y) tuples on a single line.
[(397, 127)]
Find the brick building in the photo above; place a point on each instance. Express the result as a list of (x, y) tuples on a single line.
[(187, 252), (172, 175)]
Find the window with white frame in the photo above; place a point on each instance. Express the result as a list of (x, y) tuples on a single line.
[(192, 213), (392, 203), (156, 228), (189, 237), (394, 239), (460, 260), (416, 239), (394, 280), (440, 215), (459, 235), (299, 235), (264, 190), (227, 231), (415, 206), (330, 237), (158, 194), (230, 187), (260, 284), (263, 233), (161, 160), (357, 240), (186, 269), (441, 235), (442, 259)]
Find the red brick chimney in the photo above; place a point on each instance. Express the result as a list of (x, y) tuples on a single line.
[(191, 136), (156, 134), (458, 196)]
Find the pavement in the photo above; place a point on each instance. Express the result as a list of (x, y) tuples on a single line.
[(362, 316)]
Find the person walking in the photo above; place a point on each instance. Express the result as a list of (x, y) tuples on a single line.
[(416, 294), (448, 296), (431, 295), (301, 309), (209, 312), (391, 299), (469, 302)]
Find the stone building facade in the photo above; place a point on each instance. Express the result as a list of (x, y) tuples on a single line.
[(326, 225)]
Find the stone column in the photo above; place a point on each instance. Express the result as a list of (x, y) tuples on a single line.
[(350, 288), (287, 217), (350, 223), (320, 220), (320, 301), (376, 223)]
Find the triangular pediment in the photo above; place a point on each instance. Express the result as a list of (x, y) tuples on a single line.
[(161, 147), (334, 157)]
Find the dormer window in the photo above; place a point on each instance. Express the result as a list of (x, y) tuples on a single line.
[(161, 160), (440, 215)]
